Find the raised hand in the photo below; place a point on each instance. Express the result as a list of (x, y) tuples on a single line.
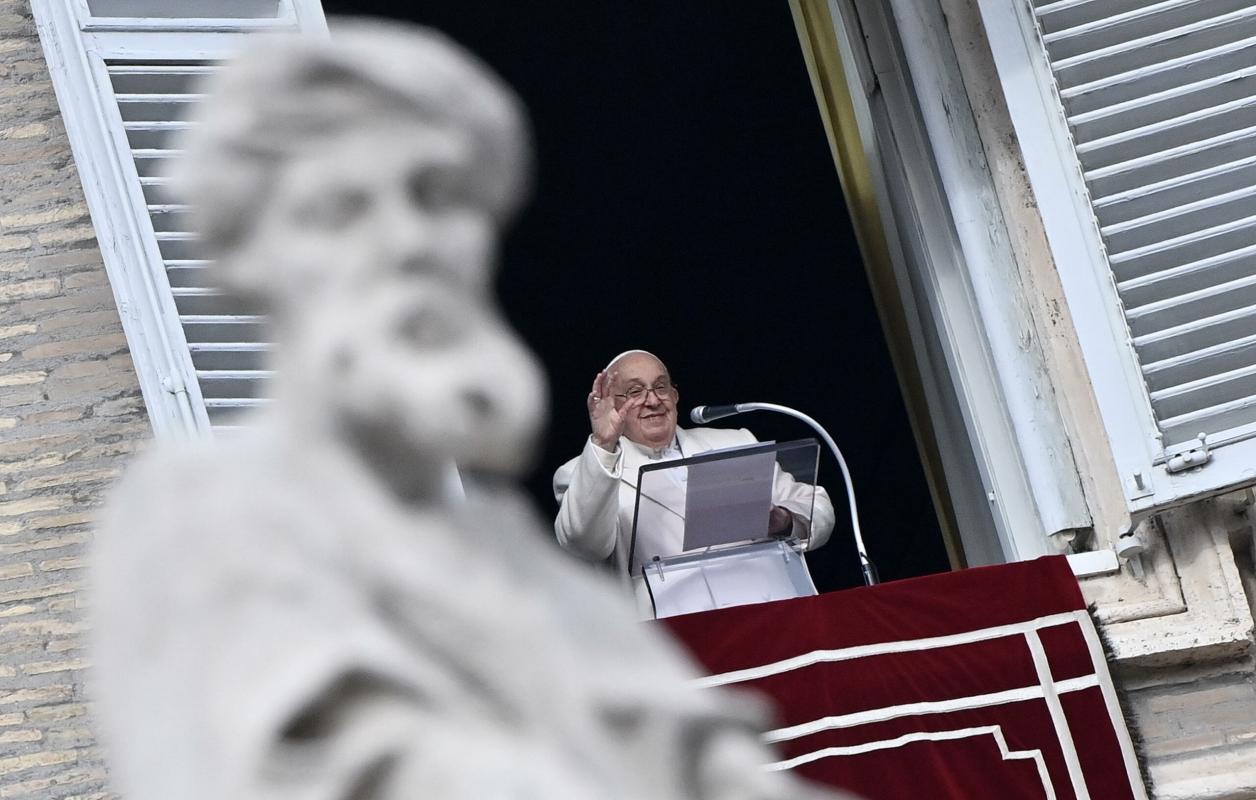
[(606, 421)]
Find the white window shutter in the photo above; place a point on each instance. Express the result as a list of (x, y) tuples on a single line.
[(1162, 105), (226, 342), (126, 72), (1138, 124)]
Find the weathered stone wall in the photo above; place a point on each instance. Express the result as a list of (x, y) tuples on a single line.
[(1196, 725), (70, 411), (1189, 678)]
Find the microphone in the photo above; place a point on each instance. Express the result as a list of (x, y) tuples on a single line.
[(703, 414)]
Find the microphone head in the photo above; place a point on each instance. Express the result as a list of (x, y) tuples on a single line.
[(703, 414)]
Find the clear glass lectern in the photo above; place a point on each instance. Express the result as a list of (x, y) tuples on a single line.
[(725, 528)]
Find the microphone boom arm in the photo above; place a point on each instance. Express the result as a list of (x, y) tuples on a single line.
[(701, 415)]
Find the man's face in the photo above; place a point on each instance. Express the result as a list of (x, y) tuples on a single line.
[(397, 202), (440, 371), (382, 246), (653, 423)]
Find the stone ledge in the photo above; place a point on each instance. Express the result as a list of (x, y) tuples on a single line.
[(1221, 773)]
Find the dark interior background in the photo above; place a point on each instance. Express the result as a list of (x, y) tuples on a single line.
[(686, 203)]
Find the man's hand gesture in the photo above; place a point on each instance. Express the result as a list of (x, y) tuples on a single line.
[(606, 421)]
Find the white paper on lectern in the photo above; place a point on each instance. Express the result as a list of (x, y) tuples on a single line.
[(728, 500)]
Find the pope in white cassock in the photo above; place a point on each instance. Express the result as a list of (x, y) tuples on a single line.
[(632, 413)]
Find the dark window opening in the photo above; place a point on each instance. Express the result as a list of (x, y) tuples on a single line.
[(686, 203)]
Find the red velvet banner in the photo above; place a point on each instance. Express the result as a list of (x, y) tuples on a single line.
[(982, 683)]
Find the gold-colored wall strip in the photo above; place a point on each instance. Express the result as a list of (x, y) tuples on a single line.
[(819, 41)]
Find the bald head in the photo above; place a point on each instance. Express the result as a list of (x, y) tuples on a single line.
[(653, 423), (615, 361)]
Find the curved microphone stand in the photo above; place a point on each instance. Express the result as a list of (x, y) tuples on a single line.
[(704, 414)]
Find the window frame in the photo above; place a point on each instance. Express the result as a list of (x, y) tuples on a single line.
[(77, 47), (1006, 507)]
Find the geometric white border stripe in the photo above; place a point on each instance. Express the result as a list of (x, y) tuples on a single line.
[(994, 731), (1062, 732), (881, 648), (928, 707), (1047, 690), (1114, 711)]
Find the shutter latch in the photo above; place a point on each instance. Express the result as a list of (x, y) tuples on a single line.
[(1197, 456)]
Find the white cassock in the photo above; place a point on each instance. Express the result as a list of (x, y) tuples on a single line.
[(597, 494)]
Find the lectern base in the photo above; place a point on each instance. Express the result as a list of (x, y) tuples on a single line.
[(754, 573)]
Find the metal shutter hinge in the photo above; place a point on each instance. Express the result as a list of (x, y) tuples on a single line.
[(173, 384), (1195, 457)]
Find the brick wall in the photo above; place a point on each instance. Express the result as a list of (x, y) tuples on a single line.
[(70, 411), (1195, 724)]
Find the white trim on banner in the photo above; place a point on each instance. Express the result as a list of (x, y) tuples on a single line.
[(994, 731)]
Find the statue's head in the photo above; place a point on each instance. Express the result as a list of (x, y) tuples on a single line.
[(355, 187), (422, 369), (384, 152)]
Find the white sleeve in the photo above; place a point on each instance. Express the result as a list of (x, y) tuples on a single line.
[(587, 490), (797, 497)]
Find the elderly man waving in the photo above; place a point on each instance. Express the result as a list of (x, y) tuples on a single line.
[(632, 414)]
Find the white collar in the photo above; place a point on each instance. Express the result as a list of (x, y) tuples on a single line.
[(666, 453)]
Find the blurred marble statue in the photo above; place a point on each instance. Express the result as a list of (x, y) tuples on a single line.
[(301, 612)]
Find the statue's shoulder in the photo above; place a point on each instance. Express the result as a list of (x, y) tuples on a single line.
[(188, 497), (194, 472)]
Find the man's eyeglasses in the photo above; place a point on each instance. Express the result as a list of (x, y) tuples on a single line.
[(663, 390)]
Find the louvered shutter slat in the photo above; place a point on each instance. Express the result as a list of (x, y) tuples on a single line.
[(243, 386), (156, 190), (1179, 220), (179, 245), (1192, 68), (1208, 391), (1160, 98), (228, 356), (222, 328), (150, 135), (1151, 140), (1171, 107), (1184, 192), (156, 78), (1212, 335), (1186, 309), (1171, 165), (151, 163), (186, 273), (1118, 29), (156, 107), (1178, 38), (184, 9), (1199, 364), (1226, 415), (169, 217), (206, 302), (1195, 276), (1193, 245)]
